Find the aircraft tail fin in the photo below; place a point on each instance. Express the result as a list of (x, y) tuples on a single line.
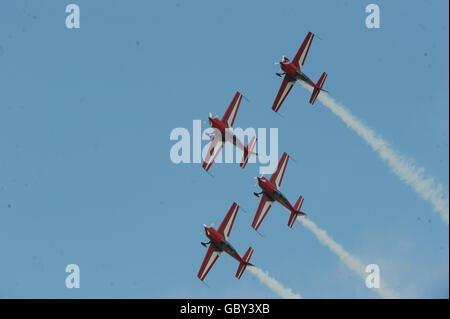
[(248, 151), (244, 263), (318, 87), (296, 212)]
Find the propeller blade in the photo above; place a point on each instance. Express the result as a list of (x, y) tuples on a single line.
[(210, 114)]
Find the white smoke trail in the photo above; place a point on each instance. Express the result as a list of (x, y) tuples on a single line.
[(274, 285), (352, 262), (405, 169)]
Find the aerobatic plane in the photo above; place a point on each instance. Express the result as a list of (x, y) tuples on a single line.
[(292, 72), (270, 193), (218, 242), (223, 132)]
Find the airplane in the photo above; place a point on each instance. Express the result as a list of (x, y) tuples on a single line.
[(271, 193), (223, 133), (292, 72), (218, 243)]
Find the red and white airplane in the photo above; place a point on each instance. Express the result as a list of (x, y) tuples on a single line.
[(218, 242), (293, 71), (271, 193), (223, 132)]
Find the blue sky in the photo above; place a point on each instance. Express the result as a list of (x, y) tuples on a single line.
[(85, 172)]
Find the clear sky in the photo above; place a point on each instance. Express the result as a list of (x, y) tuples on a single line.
[(85, 171)]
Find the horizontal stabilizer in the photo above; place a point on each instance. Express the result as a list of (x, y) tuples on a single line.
[(299, 203), (248, 151), (296, 212), (244, 263), (317, 88)]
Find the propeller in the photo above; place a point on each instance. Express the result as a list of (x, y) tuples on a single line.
[(209, 119), (211, 116), (204, 225), (283, 58), (261, 176)]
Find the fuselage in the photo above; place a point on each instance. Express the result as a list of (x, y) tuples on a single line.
[(226, 132), (293, 71), (220, 243), (273, 193)]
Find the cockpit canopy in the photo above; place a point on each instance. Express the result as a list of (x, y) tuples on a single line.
[(227, 245)]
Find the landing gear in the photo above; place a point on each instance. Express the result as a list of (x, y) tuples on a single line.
[(280, 74), (257, 194), (205, 244)]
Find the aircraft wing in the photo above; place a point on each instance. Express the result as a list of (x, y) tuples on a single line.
[(213, 151), (263, 208), (211, 256), (231, 112), (227, 223), (303, 51), (285, 88), (277, 177)]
